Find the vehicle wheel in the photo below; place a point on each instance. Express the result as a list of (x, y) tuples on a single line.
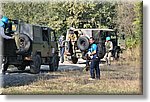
[(24, 43), (83, 43), (5, 64), (22, 67), (53, 66), (35, 64), (74, 59), (67, 46)]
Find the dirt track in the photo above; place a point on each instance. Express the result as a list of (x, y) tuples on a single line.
[(21, 78), (15, 77), (119, 78)]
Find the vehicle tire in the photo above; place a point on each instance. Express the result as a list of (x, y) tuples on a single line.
[(35, 64), (24, 43), (5, 64), (74, 59), (67, 46), (53, 66), (22, 67), (83, 43)]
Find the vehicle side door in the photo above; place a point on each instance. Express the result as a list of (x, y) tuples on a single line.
[(45, 42), (53, 43)]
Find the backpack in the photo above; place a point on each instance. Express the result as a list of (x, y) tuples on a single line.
[(100, 50), (107, 46)]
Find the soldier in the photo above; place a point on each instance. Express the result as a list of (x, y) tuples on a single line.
[(94, 66), (109, 47), (3, 23)]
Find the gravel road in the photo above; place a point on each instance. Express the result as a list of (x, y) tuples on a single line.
[(15, 77)]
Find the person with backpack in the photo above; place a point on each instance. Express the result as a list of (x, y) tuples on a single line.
[(109, 48), (94, 66)]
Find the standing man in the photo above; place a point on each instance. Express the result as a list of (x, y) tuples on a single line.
[(109, 48), (94, 66), (3, 23), (62, 48)]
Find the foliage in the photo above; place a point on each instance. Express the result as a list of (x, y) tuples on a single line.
[(129, 21), (126, 17)]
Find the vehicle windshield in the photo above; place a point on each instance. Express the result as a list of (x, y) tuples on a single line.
[(111, 34)]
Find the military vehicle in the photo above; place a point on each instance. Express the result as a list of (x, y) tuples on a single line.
[(77, 42), (37, 46)]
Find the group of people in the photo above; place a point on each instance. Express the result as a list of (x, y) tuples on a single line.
[(92, 53)]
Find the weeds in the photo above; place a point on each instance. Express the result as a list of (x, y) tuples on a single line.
[(123, 79)]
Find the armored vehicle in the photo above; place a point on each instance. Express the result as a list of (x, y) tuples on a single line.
[(77, 42), (37, 46)]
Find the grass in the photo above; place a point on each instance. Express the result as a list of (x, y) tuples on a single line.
[(118, 79)]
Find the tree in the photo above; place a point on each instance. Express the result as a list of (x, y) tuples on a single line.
[(124, 16)]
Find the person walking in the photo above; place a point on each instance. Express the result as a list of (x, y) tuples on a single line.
[(109, 48), (94, 65), (62, 48)]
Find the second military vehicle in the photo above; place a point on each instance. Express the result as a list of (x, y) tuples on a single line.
[(77, 42)]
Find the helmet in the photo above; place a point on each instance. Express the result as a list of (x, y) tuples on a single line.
[(4, 19), (1, 24), (107, 38)]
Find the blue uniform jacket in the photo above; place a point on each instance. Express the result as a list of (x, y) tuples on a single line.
[(93, 48)]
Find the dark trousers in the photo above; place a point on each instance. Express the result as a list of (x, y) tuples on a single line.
[(94, 67), (87, 63), (62, 50)]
